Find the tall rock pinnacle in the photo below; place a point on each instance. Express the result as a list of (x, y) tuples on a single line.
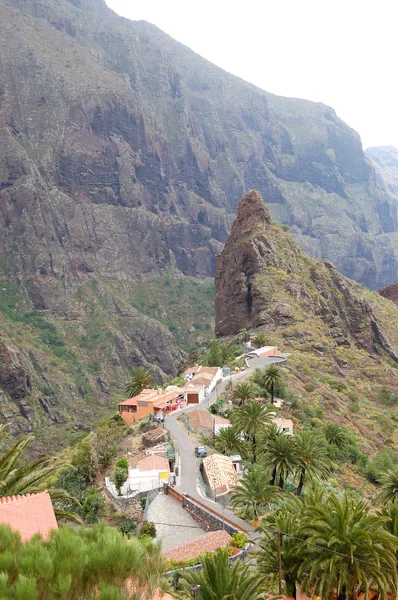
[(236, 305)]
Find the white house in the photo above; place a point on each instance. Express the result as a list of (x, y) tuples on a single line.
[(151, 472), (207, 377), (284, 425)]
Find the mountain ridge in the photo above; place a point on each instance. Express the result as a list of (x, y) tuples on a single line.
[(342, 339), (123, 155)]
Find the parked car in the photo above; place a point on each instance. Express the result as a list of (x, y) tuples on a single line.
[(159, 419), (200, 452)]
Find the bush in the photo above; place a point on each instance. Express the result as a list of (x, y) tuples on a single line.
[(93, 505), (127, 526), (382, 463), (387, 397), (309, 387), (123, 463), (175, 581), (356, 457), (239, 540), (121, 473), (148, 529)]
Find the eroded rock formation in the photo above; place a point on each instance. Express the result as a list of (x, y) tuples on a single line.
[(264, 279)]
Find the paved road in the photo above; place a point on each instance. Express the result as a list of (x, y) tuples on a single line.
[(188, 479), (174, 524)]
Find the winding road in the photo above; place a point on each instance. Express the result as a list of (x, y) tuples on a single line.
[(186, 446)]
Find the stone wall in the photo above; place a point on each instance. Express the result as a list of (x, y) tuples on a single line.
[(206, 519)]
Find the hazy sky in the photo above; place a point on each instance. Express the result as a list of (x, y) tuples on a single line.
[(340, 52)]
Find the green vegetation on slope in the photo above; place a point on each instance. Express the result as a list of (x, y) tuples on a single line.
[(77, 366)]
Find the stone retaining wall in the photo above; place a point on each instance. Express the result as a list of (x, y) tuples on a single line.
[(206, 519)]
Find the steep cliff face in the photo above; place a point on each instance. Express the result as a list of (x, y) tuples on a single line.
[(123, 152), (264, 279), (341, 338), (385, 160)]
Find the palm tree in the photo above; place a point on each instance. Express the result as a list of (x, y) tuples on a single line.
[(227, 353), (140, 380), (313, 458), (260, 339), (336, 434), (390, 512), (243, 392), (228, 441), (271, 378), (346, 550), (389, 486), (286, 519), (219, 581), (254, 493), (281, 454), (30, 478), (251, 419)]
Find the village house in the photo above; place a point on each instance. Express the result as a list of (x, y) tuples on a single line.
[(151, 473), (237, 463), (284, 425), (203, 422), (28, 515), (265, 352), (219, 474), (198, 377), (153, 437), (151, 401)]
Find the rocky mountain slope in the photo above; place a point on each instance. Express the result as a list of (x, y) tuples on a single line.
[(122, 158), (385, 161), (123, 152), (343, 338)]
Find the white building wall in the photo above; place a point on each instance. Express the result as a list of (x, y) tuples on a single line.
[(213, 382)]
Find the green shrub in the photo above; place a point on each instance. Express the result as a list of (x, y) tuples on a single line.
[(121, 473), (127, 526), (387, 397), (93, 505), (175, 581), (239, 540), (309, 387), (339, 386), (382, 463), (123, 463), (148, 529)]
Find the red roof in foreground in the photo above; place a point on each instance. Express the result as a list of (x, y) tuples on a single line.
[(207, 543), (28, 515)]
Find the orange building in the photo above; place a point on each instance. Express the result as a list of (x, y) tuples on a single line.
[(151, 402)]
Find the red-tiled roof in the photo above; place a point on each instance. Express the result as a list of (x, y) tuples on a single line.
[(28, 514), (202, 418), (204, 375), (155, 397), (220, 473), (207, 543), (154, 433), (153, 462)]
